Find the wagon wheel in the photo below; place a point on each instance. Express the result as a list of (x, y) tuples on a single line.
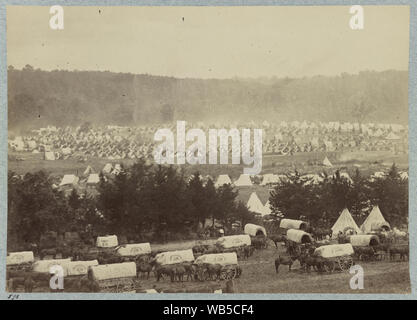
[(329, 266), (345, 263), (224, 273), (231, 273)]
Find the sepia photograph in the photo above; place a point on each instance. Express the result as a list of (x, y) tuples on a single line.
[(208, 149)]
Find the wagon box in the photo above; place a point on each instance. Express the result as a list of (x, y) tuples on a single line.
[(134, 249)]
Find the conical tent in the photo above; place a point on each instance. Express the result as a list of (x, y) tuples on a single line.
[(255, 205), (374, 221), (327, 163), (267, 208), (88, 170), (344, 221), (243, 181), (222, 180)]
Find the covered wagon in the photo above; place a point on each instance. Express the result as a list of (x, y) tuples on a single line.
[(134, 249), (296, 240), (107, 241), (335, 256), (115, 277), (364, 245), (293, 224), (46, 266), (22, 260), (173, 257), (235, 241), (80, 268), (221, 265), (254, 230)]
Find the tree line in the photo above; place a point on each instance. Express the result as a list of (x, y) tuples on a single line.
[(154, 203)]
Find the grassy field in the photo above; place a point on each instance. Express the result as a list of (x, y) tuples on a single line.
[(259, 276)]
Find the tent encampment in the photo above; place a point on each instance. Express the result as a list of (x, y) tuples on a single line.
[(374, 221), (255, 205), (344, 222), (243, 181), (254, 230), (222, 180)]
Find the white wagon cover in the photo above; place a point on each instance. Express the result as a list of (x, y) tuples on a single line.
[(107, 241), (224, 259), (114, 271), (134, 249), (234, 241), (298, 236), (44, 266), (19, 257), (334, 250), (363, 239), (171, 257), (291, 224), (251, 229), (76, 268)]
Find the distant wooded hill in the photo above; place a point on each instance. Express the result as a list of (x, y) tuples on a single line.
[(38, 98)]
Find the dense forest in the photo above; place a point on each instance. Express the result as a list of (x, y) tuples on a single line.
[(37, 98)]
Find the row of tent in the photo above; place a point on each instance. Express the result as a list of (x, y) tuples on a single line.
[(374, 221)]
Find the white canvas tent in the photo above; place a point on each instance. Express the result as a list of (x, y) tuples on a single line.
[(49, 155), (222, 180), (69, 179), (254, 230), (267, 208), (327, 163), (374, 221), (243, 181), (108, 168), (88, 170), (255, 205), (93, 178), (344, 221)]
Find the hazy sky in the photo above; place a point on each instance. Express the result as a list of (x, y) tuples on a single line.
[(210, 42)]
